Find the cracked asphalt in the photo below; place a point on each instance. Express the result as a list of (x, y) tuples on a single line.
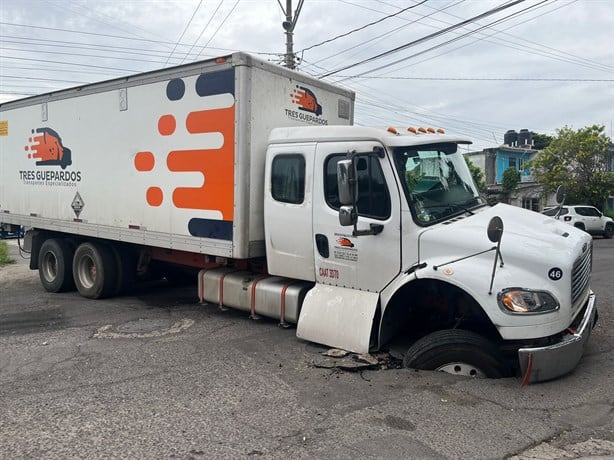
[(156, 375)]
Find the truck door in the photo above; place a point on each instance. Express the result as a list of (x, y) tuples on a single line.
[(366, 262), (287, 207)]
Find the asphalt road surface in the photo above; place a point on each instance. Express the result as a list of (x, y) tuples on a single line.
[(156, 375)]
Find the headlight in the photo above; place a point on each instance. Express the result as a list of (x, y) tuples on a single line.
[(517, 300)]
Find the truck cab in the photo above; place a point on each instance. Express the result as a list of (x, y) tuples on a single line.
[(390, 228)]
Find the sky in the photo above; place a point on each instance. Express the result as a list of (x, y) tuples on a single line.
[(475, 68)]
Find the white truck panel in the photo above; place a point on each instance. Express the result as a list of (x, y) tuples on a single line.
[(173, 158)]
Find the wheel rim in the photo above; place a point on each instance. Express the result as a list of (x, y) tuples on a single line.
[(87, 272), (50, 267), (464, 369)]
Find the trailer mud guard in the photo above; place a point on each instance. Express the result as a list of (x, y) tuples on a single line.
[(338, 317)]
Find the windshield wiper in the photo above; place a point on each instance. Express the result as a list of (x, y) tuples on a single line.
[(462, 206)]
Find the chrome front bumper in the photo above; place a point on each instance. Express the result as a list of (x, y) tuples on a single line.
[(546, 363)]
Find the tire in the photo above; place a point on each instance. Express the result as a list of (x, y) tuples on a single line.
[(55, 265), (95, 270), (125, 260), (580, 226), (609, 231), (458, 352)]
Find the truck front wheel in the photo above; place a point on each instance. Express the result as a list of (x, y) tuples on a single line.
[(55, 265), (94, 270), (457, 352)]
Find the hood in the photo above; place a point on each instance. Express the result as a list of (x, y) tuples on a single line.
[(538, 254), (525, 232)]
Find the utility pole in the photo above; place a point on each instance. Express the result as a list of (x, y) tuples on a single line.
[(288, 26)]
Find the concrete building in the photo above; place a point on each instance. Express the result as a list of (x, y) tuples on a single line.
[(516, 152)]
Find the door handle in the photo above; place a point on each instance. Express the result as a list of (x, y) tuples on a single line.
[(322, 245)]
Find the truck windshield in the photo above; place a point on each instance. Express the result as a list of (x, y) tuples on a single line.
[(437, 182)]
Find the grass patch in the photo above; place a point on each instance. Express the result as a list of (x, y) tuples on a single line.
[(4, 254)]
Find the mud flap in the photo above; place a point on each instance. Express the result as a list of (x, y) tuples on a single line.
[(338, 317)]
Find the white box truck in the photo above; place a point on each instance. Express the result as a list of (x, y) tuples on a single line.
[(252, 175)]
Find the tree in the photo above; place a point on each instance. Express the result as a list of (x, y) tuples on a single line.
[(541, 141), (578, 160), (511, 178), (477, 174)]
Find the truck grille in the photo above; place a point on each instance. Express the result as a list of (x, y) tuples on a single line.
[(581, 274)]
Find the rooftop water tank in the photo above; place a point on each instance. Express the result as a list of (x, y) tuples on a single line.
[(510, 137), (525, 137)]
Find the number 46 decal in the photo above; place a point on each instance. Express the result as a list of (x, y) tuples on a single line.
[(555, 274)]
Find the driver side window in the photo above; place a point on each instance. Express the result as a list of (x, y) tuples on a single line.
[(373, 199)]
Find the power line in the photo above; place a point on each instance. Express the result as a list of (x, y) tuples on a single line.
[(459, 37), (184, 31), (563, 56), (63, 53), (384, 35), (79, 64), (502, 31), (568, 58), (363, 27), (389, 105), (202, 31), (90, 12), (218, 28), (146, 40), (483, 79), (20, 77), (426, 38)]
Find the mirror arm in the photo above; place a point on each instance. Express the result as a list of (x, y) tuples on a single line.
[(374, 229)]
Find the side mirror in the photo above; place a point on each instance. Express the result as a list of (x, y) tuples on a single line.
[(495, 229), (346, 180), (347, 216)]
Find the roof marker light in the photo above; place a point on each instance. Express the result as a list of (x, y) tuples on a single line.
[(440, 131), (431, 130), (422, 130), (411, 129), (392, 130)]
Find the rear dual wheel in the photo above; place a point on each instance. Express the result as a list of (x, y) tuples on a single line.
[(95, 270), (55, 265)]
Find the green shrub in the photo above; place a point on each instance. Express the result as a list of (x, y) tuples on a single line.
[(4, 254)]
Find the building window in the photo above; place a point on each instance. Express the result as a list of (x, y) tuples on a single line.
[(288, 179), (531, 203), (512, 163)]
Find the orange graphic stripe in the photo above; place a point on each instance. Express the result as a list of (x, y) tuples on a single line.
[(216, 165), (210, 121)]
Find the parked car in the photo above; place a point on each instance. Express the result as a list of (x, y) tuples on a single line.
[(587, 218)]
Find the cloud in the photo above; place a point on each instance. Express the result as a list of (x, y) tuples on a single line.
[(569, 40)]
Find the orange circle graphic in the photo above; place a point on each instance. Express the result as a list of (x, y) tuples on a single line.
[(167, 125), (154, 196), (144, 161)]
